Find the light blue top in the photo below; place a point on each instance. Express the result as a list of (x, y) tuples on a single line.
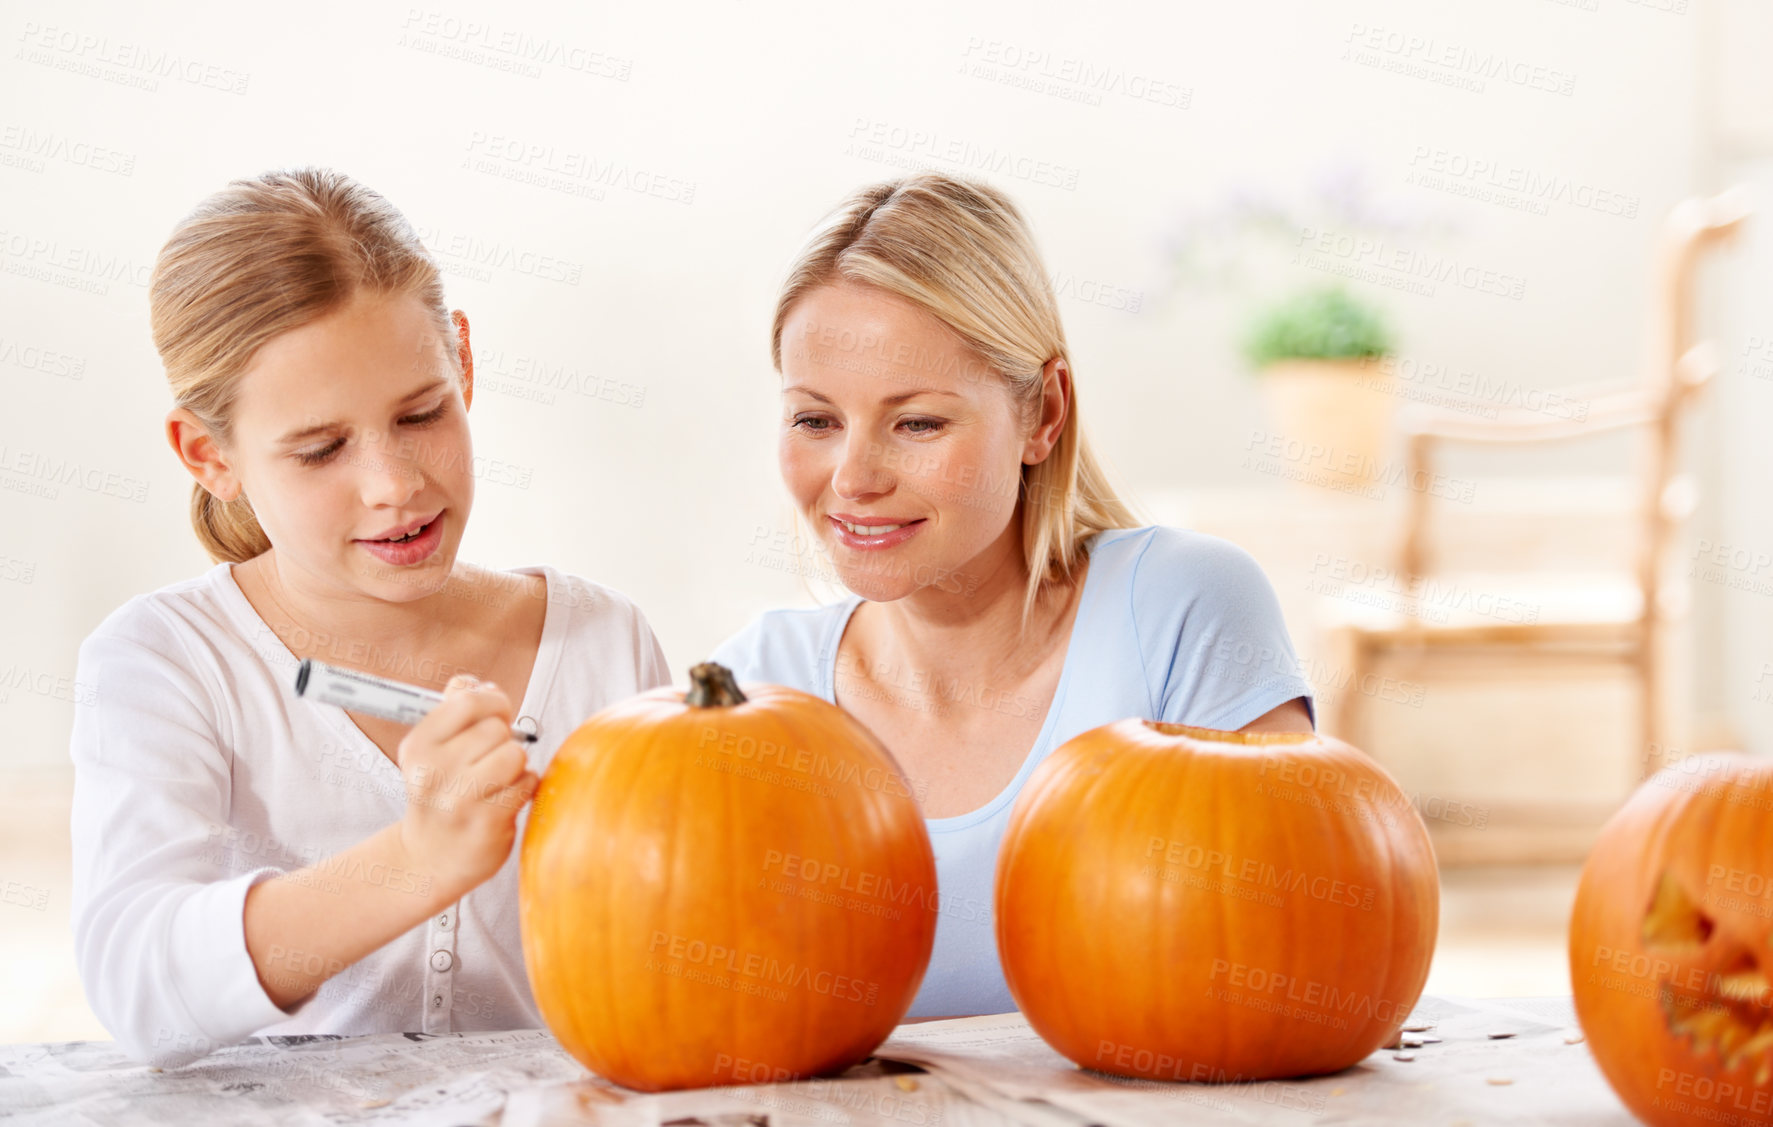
[(1171, 625)]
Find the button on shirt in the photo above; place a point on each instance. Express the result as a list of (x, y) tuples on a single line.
[(198, 773), (1171, 625)]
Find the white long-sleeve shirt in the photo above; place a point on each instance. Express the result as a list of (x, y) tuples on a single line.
[(199, 772)]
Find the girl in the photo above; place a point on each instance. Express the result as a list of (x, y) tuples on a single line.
[(1002, 600), (249, 862)]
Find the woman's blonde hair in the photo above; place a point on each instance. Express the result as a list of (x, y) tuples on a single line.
[(256, 259), (961, 252)]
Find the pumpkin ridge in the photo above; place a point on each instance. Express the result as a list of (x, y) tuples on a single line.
[(671, 841), (1314, 822), (1090, 902), (838, 832), (1394, 908), (1230, 1042), (1170, 896), (583, 1004), (733, 1016)]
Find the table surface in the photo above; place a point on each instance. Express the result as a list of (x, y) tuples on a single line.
[(1516, 1061)]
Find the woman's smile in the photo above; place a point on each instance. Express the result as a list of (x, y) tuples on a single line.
[(872, 533)]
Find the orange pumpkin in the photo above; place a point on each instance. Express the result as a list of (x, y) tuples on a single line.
[(1671, 944), (1178, 903), (724, 887)]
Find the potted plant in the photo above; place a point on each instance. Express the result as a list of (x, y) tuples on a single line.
[(1318, 355)]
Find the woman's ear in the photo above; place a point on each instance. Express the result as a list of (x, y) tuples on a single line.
[(1055, 405), (465, 355), (201, 454)]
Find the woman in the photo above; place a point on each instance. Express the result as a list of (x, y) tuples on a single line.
[(1002, 599), (248, 862)]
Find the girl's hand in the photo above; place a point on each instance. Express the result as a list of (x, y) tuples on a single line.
[(466, 781)]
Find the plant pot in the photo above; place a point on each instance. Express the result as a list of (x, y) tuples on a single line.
[(1331, 421)]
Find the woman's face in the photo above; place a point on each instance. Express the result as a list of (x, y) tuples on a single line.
[(899, 446), (352, 430)]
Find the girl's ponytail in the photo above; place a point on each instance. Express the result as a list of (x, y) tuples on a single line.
[(228, 530)]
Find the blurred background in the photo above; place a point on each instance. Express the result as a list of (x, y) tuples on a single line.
[(1285, 237)]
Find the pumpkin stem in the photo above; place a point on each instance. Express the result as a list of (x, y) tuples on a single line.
[(712, 686)]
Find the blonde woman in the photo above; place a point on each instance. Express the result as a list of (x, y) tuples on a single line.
[(1002, 599), (249, 862)]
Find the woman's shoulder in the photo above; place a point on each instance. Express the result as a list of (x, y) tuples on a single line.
[(1159, 561), (1206, 624), (1174, 587)]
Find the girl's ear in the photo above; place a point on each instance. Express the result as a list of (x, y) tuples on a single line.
[(465, 355), (201, 454)]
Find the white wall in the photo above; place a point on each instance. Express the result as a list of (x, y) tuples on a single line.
[(764, 110), (1741, 609)]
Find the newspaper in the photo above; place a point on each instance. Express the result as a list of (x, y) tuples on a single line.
[(873, 1094), (1478, 1063), (388, 1078), (515, 1079)]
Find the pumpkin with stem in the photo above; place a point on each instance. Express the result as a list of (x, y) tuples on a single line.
[(724, 887), (1671, 944), (1179, 903)]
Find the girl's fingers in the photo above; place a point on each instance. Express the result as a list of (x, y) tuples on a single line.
[(463, 707), (503, 765), (488, 777), (472, 744), (518, 793)]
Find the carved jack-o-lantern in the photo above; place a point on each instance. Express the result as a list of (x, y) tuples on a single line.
[(1671, 945)]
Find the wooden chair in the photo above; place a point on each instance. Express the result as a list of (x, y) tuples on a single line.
[(1617, 624)]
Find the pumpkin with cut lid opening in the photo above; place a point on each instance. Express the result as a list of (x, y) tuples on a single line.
[(1180, 903), (1671, 944), (724, 887)]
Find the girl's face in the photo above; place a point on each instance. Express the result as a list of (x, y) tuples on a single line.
[(898, 445), (349, 433)]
